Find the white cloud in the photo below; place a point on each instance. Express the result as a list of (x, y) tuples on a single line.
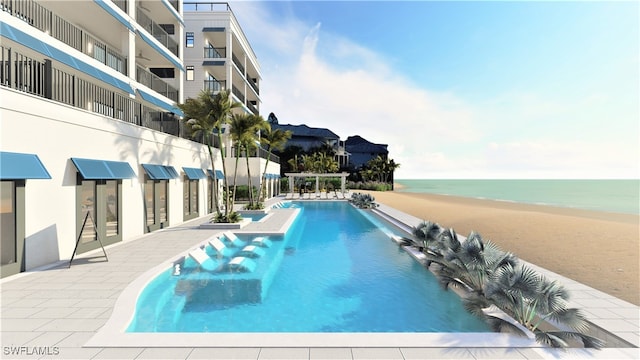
[(314, 77)]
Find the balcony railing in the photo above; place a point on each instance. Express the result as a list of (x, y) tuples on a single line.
[(215, 86), (215, 53), (238, 63), (255, 152), (46, 21), (41, 78), (253, 85), (105, 54), (157, 31), (156, 83), (253, 109), (235, 91)]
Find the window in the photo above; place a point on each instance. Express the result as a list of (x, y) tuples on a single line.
[(155, 198), (88, 207), (190, 198), (8, 222), (99, 213), (111, 208), (12, 227), (190, 73), (190, 40)]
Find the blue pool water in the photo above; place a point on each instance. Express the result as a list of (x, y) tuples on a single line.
[(336, 270), (253, 216)]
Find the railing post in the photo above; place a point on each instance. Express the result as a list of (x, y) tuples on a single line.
[(48, 79)]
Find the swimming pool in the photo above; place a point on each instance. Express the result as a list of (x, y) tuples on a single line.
[(334, 271)]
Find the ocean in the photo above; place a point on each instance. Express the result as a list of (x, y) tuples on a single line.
[(618, 196)]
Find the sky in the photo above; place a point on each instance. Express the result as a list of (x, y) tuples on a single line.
[(460, 90)]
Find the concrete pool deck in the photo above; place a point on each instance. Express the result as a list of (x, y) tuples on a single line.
[(52, 313)]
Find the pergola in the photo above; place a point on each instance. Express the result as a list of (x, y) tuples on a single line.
[(292, 176)]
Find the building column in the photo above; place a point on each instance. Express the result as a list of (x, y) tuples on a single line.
[(342, 182), (317, 183), (291, 184)]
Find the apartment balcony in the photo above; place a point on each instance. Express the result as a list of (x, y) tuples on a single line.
[(69, 33), (215, 86), (157, 31), (154, 82), (44, 78), (215, 53)]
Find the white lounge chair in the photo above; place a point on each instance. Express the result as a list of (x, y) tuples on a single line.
[(241, 263), (203, 259), (235, 241), (261, 241), (252, 251), (220, 247)]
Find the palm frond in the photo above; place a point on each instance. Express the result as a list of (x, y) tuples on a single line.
[(551, 339)]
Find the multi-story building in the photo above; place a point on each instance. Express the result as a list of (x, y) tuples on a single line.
[(362, 151), (308, 138), (218, 56), (91, 144)]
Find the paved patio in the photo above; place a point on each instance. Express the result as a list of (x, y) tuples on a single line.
[(52, 313)]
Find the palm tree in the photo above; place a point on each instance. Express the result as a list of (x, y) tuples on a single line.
[(207, 114), (531, 300), (244, 128), (256, 124), (271, 139)]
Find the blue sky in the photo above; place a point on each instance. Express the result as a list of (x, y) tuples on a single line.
[(460, 89)]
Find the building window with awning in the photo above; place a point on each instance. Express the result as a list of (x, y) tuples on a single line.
[(191, 192), (156, 199), (15, 169), (98, 201)]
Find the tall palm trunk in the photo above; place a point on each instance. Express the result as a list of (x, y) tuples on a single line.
[(235, 175), (246, 155), (215, 179), (224, 170), (263, 178)]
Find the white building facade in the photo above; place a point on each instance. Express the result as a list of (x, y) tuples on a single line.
[(218, 56), (91, 142)]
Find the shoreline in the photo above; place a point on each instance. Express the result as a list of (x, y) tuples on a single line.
[(599, 249)]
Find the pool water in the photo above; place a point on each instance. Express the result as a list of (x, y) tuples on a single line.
[(253, 216), (337, 271)]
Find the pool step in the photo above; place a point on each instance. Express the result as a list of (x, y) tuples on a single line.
[(168, 317)]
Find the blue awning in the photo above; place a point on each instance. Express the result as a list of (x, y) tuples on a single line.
[(103, 169), (152, 99), (18, 166), (194, 173), (160, 172), (219, 175)]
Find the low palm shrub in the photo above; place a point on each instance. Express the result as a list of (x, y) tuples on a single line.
[(363, 201), (490, 276)]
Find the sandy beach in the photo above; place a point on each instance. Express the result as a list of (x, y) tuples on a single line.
[(598, 249)]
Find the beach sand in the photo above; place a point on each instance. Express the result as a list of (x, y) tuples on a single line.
[(598, 249)]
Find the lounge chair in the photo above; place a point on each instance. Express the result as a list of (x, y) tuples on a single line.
[(252, 251), (289, 196), (203, 259), (241, 263), (220, 247), (261, 241), (235, 241)]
